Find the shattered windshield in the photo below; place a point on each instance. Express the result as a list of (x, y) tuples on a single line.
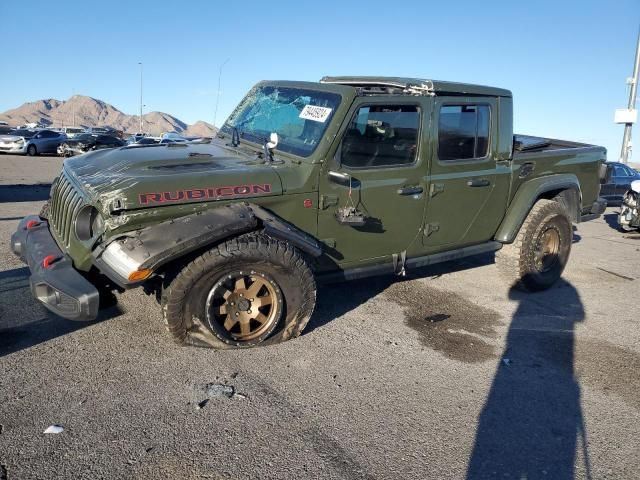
[(298, 116)]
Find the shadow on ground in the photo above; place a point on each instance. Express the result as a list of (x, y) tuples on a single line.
[(531, 425), (24, 193), (337, 299), (24, 322)]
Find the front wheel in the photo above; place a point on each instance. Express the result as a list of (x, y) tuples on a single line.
[(249, 291), (537, 257), (32, 151)]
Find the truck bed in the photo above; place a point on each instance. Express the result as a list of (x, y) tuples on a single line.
[(547, 156), (530, 143)]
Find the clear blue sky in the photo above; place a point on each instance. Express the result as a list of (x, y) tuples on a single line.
[(566, 62)]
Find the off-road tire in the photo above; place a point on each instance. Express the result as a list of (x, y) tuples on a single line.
[(32, 151), (184, 293), (44, 211), (517, 261)]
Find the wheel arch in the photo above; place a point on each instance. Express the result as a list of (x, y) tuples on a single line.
[(563, 188), (165, 245)]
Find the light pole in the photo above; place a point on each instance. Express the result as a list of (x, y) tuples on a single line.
[(140, 63), (215, 114), (631, 107)]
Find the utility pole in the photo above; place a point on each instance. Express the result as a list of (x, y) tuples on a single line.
[(140, 63), (73, 105), (215, 114), (629, 116)]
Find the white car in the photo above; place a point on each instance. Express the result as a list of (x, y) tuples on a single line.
[(71, 132)]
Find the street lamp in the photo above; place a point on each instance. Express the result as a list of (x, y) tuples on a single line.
[(140, 63), (215, 114)]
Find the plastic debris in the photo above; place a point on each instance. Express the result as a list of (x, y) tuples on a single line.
[(219, 390), (54, 429)]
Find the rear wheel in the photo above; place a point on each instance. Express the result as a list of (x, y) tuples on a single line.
[(537, 257), (249, 291), (32, 151)]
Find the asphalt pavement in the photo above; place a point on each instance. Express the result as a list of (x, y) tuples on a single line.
[(446, 373)]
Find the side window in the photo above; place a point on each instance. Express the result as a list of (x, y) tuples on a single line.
[(620, 171), (463, 132), (381, 136)]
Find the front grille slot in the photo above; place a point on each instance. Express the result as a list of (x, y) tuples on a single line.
[(66, 201)]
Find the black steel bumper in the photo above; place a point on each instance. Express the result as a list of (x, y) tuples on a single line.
[(597, 209), (54, 282)]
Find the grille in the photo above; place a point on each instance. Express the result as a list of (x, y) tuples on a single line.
[(65, 203)]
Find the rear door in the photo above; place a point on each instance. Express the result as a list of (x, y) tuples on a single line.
[(469, 187), (379, 169)]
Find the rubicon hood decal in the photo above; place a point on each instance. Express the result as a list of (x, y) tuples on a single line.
[(210, 193)]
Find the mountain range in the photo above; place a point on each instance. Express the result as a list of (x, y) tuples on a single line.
[(91, 112)]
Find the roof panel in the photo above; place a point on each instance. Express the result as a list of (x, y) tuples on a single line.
[(439, 87)]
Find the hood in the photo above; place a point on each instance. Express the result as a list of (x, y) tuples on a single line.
[(157, 175)]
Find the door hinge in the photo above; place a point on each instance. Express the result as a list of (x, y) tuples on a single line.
[(430, 228), (327, 201), (435, 189)]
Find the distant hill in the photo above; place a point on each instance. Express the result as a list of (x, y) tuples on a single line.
[(91, 112)]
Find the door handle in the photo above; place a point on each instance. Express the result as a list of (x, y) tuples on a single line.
[(480, 182), (410, 190)]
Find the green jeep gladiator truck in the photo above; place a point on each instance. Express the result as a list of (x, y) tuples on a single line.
[(309, 181)]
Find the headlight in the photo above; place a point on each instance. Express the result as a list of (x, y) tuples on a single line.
[(88, 223), (116, 257)]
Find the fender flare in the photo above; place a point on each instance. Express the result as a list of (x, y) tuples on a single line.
[(156, 245), (527, 195)]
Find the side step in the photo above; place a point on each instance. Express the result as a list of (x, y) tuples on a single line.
[(390, 268)]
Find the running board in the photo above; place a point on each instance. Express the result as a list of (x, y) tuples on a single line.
[(389, 268)]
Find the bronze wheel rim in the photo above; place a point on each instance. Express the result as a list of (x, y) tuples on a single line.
[(244, 306), (547, 250)]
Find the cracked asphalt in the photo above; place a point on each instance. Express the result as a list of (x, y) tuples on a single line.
[(443, 374)]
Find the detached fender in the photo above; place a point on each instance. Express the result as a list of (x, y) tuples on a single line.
[(156, 245), (527, 195)]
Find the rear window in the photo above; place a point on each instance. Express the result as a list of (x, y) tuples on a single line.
[(463, 132)]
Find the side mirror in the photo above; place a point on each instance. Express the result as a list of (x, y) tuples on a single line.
[(339, 177)]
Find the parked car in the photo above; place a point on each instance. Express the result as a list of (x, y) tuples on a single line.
[(234, 246), (72, 132), (146, 141), (629, 217), (617, 182), (87, 142), (31, 143)]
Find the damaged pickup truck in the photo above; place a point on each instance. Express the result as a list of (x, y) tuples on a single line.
[(336, 180)]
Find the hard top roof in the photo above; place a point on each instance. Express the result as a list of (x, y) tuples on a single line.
[(414, 85)]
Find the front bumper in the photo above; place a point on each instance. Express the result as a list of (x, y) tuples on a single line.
[(13, 147), (56, 284), (597, 209)]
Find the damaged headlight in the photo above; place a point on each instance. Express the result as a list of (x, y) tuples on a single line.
[(88, 223), (631, 199), (116, 257)]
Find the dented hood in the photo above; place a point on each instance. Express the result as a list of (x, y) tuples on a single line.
[(156, 175)]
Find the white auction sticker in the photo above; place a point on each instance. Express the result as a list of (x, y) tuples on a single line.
[(315, 113)]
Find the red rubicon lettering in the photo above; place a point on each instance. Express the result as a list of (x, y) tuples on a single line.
[(209, 193), (196, 194), (150, 198)]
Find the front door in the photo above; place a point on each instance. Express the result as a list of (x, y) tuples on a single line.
[(378, 170), (469, 188)]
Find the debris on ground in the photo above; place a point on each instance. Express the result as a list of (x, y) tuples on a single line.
[(3, 472), (219, 390), (54, 429), (202, 404)]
